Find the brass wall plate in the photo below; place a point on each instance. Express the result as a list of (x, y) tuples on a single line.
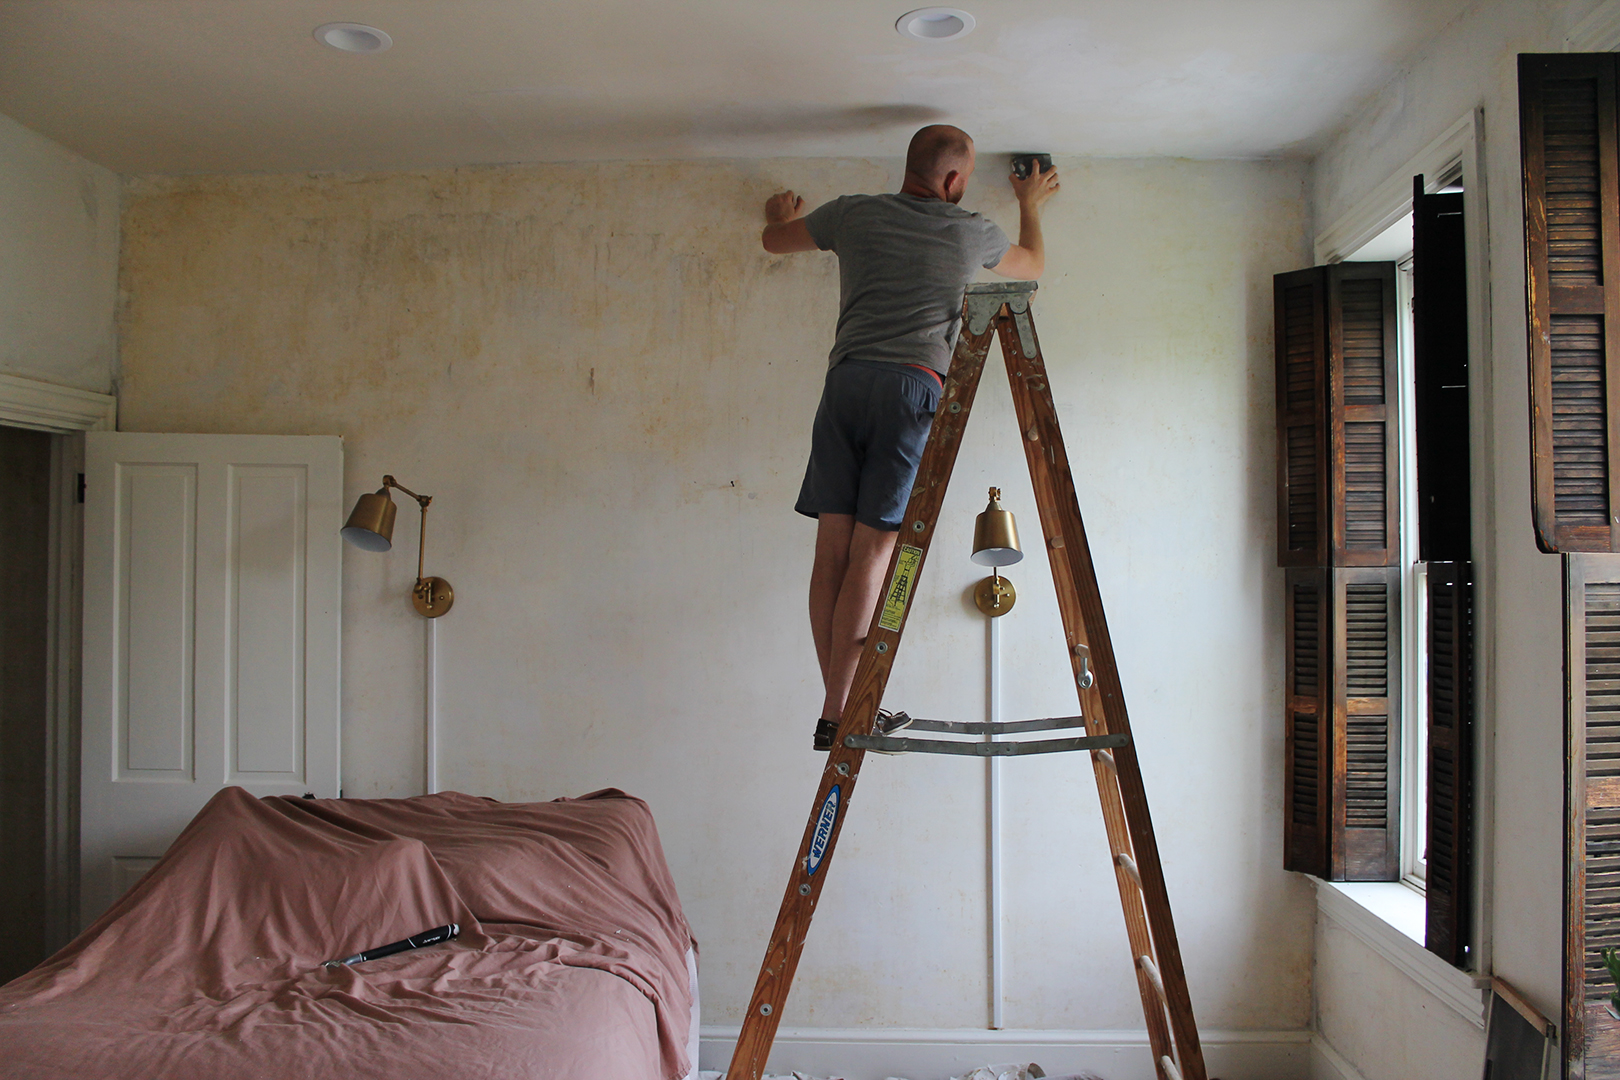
[(995, 595), (432, 597)]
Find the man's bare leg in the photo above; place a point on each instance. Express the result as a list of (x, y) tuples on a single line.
[(868, 559), (826, 581)]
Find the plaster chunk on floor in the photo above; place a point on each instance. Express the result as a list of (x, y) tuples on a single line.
[(984, 1072)]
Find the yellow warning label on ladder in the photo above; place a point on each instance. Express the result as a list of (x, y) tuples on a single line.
[(899, 594)]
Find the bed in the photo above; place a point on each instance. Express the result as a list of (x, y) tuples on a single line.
[(574, 961)]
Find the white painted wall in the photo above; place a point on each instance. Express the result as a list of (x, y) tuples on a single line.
[(1473, 64), (1401, 1030), (607, 387), (58, 262)]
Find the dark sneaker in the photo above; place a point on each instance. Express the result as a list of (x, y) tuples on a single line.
[(888, 723), (826, 732)]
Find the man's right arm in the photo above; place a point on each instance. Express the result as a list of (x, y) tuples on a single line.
[(785, 230), (1026, 259)]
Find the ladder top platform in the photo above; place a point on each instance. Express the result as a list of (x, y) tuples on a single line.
[(1002, 288)]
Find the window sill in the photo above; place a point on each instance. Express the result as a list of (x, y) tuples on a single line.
[(1388, 918)]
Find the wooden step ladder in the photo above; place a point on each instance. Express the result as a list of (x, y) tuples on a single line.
[(989, 310)]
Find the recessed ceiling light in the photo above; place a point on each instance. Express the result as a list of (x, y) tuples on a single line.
[(935, 24), (353, 37)]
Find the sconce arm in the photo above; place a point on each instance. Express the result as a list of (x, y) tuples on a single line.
[(421, 500)]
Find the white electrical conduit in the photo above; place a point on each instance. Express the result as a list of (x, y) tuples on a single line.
[(993, 798), (430, 709)]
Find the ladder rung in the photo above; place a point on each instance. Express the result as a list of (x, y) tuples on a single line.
[(1128, 864), (1010, 727), (1146, 963), (1169, 1067), (890, 745)]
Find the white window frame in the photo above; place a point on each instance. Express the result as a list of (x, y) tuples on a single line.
[(1414, 593), (1414, 607)]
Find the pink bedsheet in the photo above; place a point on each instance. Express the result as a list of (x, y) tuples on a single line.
[(571, 964)]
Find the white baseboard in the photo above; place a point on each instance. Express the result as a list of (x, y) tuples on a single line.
[(937, 1053), (1328, 1064)]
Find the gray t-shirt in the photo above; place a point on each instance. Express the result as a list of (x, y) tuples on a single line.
[(903, 265)]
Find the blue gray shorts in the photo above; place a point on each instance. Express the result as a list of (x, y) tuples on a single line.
[(867, 441)]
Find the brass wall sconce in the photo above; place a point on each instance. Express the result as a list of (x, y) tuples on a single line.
[(995, 544), (371, 528)]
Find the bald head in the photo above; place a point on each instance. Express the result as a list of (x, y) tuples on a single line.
[(936, 152)]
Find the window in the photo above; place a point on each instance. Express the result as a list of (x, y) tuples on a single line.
[(1374, 509)]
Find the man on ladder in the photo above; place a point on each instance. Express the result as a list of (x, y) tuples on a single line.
[(904, 263)]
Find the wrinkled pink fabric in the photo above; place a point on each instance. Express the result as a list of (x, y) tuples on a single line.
[(571, 964)]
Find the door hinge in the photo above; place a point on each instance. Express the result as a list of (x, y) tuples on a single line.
[(81, 487)]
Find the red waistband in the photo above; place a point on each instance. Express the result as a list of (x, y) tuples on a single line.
[(931, 371)]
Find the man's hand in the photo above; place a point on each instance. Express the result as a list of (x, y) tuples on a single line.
[(1036, 188), (783, 207), (785, 230), (1027, 258)]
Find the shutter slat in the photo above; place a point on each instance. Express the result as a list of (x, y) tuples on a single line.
[(1579, 421), (1365, 703), (1302, 481), (1308, 777), (1362, 451), (1362, 304)]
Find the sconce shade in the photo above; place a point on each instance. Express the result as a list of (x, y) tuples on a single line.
[(371, 526), (995, 535)]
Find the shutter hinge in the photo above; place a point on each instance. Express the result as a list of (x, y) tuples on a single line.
[(81, 487)]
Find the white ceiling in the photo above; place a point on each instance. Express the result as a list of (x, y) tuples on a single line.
[(241, 85)]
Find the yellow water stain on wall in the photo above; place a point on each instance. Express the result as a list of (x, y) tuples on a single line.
[(607, 386)]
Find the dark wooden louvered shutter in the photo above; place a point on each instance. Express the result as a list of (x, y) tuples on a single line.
[(1592, 801), (1338, 533), (1309, 721), (1337, 449), (1363, 447), (1567, 117), (1303, 528), (1440, 376), (1366, 724), (1445, 542), (1448, 883)]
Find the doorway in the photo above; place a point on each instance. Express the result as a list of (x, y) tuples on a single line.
[(25, 479)]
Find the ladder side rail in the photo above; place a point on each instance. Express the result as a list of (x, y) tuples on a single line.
[(860, 710), (1048, 498), (1102, 702)]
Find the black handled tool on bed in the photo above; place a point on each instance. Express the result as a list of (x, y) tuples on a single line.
[(415, 941)]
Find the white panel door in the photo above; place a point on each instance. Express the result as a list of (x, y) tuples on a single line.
[(212, 611)]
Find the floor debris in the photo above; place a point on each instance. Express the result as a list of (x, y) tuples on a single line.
[(1029, 1071)]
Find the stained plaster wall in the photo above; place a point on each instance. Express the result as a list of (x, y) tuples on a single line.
[(607, 387), (58, 262), (1472, 64)]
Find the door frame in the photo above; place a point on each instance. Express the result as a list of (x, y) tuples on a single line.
[(65, 413)]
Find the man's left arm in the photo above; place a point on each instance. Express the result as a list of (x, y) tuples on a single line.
[(785, 230), (1026, 259)]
